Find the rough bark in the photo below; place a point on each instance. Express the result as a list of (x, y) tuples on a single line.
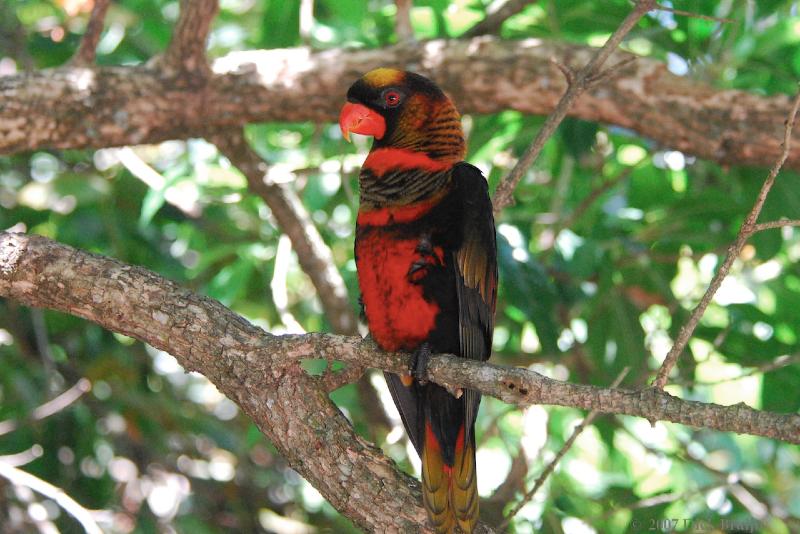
[(246, 364), (75, 107), (242, 359)]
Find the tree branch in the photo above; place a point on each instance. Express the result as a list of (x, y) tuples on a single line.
[(315, 257), (187, 50), (85, 55), (116, 106), (50, 407), (523, 388), (208, 337), (760, 227), (690, 14), (313, 254), (497, 13), (251, 367), (747, 229), (577, 83), (141, 170), (258, 371), (71, 506), (402, 22)]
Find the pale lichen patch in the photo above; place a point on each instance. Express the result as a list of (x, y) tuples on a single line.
[(160, 317)]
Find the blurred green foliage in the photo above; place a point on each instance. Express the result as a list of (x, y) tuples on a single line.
[(611, 241)]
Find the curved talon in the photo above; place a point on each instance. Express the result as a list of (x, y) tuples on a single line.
[(362, 309), (419, 269)]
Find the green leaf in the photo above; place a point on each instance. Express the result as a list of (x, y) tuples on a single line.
[(779, 391)]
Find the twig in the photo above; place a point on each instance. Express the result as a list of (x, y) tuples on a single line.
[(87, 50), (586, 203), (21, 458), (577, 83), (757, 504), (664, 498), (774, 224), (402, 21), (187, 49), (280, 295), (690, 14), (748, 226), (51, 407), (778, 363), (154, 180), (70, 505), (61, 402), (42, 339), (306, 20), (496, 14), (548, 470)]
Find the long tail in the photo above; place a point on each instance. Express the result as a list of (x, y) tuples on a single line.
[(450, 492)]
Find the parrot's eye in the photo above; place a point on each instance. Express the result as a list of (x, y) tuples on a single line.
[(392, 98)]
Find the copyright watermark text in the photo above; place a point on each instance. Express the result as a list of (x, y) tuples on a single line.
[(695, 525)]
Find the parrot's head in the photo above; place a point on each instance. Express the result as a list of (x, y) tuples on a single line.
[(402, 109)]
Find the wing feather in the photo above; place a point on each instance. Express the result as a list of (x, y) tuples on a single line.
[(476, 273)]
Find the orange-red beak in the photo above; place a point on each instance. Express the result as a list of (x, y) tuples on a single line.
[(359, 119)]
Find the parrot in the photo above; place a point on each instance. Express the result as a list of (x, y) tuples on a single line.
[(426, 260)]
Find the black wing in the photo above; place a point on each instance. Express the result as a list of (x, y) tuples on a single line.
[(476, 274)]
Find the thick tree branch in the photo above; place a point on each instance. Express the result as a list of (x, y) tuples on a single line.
[(245, 363), (209, 338), (257, 371), (114, 106)]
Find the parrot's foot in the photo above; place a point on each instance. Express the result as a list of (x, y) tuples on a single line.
[(362, 310), (428, 258), (419, 363)]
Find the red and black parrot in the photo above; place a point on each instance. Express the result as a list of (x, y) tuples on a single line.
[(427, 268)]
